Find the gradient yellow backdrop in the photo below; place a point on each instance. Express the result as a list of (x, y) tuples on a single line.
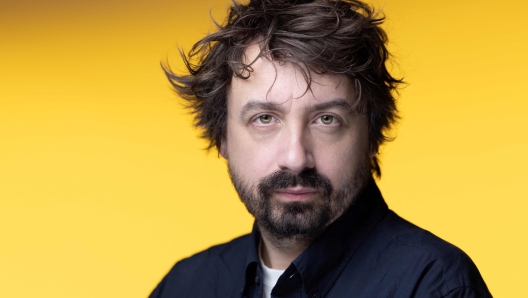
[(103, 183)]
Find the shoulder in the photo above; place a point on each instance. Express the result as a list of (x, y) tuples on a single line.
[(198, 275), (403, 233), (227, 255), (440, 268)]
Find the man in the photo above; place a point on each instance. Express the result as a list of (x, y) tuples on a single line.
[(296, 97)]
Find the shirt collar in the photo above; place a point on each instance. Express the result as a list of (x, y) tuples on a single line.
[(321, 263)]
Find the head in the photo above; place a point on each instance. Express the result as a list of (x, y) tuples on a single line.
[(297, 97)]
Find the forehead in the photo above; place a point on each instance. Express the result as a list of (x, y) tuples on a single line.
[(279, 82)]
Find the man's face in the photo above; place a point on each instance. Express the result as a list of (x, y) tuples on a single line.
[(297, 159)]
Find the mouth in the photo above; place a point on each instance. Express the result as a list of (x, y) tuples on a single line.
[(296, 194)]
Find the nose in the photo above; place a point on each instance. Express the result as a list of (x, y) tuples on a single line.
[(295, 152)]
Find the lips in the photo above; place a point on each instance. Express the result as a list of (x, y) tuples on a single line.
[(296, 195)]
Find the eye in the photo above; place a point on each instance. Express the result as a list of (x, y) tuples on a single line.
[(327, 119), (264, 119)]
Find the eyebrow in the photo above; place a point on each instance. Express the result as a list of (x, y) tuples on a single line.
[(340, 104), (253, 105)]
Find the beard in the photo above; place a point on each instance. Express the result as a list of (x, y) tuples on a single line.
[(289, 220)]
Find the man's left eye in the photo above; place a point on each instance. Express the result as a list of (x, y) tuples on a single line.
[(327, 119)]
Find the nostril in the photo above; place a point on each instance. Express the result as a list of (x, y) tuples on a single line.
[(294, 153)]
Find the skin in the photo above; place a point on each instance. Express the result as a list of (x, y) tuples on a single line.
[(275, 125)]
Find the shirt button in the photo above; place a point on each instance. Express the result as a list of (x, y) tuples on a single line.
[(316, 295)]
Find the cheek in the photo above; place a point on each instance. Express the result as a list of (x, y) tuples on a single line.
[(250, 159), (341, 160)]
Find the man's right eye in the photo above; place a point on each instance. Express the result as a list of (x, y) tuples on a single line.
[(264, 119)]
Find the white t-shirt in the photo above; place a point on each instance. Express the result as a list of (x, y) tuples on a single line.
[(269, 278)]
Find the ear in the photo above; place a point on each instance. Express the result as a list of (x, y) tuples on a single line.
[(222, 150), (373, 151)]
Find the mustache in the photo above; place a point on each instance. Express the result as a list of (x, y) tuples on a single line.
[(283, 179)]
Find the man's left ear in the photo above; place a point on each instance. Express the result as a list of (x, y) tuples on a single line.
[(373, 151)]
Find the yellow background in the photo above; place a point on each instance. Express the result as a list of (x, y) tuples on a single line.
[(103, 183)]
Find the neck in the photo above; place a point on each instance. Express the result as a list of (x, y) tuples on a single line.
[(279, 253)]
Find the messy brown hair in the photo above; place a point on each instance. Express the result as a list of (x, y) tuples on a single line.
[(321, 36)]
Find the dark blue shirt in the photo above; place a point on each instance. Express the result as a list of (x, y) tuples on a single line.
[(368, 252)]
